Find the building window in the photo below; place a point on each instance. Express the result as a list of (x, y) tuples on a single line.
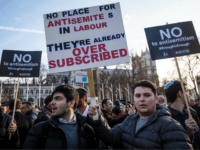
[(21, 91), (37, 91), (31, 91), (46, 91)]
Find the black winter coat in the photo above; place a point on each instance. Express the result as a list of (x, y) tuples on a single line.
[(47, 135), (44, 115), (112, 118), (116, 110), (5, 143), (196, 107), (24, 124), (160, 132), (32, 113)]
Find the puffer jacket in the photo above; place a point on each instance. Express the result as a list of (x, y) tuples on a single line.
[(5, 143), (47, 135), (32, 113), (44, 115), (160, 132)]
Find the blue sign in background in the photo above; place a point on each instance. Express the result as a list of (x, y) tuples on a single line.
[(84, 79)]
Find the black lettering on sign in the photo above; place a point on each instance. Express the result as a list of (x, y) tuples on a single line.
[(75, 12), (64, 30), (52, 16), (107, 7), (110, 15)]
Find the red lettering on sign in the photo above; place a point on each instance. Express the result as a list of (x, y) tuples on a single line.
[(52, 64), (123, 52), (78, 60), (106, 55), (85, 51), (50, 24), (86, 62), (70, 61), (60, 65), (93, 48), (102, 47), (94, 57), (76, 52), (114, 54)]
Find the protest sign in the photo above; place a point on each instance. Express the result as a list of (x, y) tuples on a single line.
[(85, 38), (172, 40), (20, 63)]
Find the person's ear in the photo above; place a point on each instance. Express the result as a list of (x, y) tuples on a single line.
[(157, 100), (71, 103), (180, 94), (83, 99)]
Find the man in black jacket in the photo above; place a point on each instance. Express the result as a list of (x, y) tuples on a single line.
[(7, 127), (150, 128), (24, 123), (174, 94), (29, 110), (65, 129), (45, 114), (111, 117)]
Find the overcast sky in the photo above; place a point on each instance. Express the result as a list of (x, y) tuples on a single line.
[(22, 26)]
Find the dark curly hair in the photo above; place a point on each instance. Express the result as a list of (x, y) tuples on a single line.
[(69, 92)]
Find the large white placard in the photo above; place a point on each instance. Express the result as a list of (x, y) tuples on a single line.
[(85, 38)]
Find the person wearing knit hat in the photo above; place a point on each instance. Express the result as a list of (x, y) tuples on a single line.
[(174, 94)]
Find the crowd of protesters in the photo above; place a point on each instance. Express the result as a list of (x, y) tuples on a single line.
[(66, 121)]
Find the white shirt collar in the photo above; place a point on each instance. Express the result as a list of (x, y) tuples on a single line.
[(85, 112), (70, 122)]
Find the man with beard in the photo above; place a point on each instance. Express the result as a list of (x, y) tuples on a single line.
[(82, 107), (111, 118), (65, 129)]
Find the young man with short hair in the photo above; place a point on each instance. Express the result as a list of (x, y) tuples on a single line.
[(65, 129), (27, 109), (150, 128), (174, 94), (109, 115)]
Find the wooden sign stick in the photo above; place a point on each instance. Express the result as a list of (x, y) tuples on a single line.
[(13, 115), (184, 94), (92, 91)]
